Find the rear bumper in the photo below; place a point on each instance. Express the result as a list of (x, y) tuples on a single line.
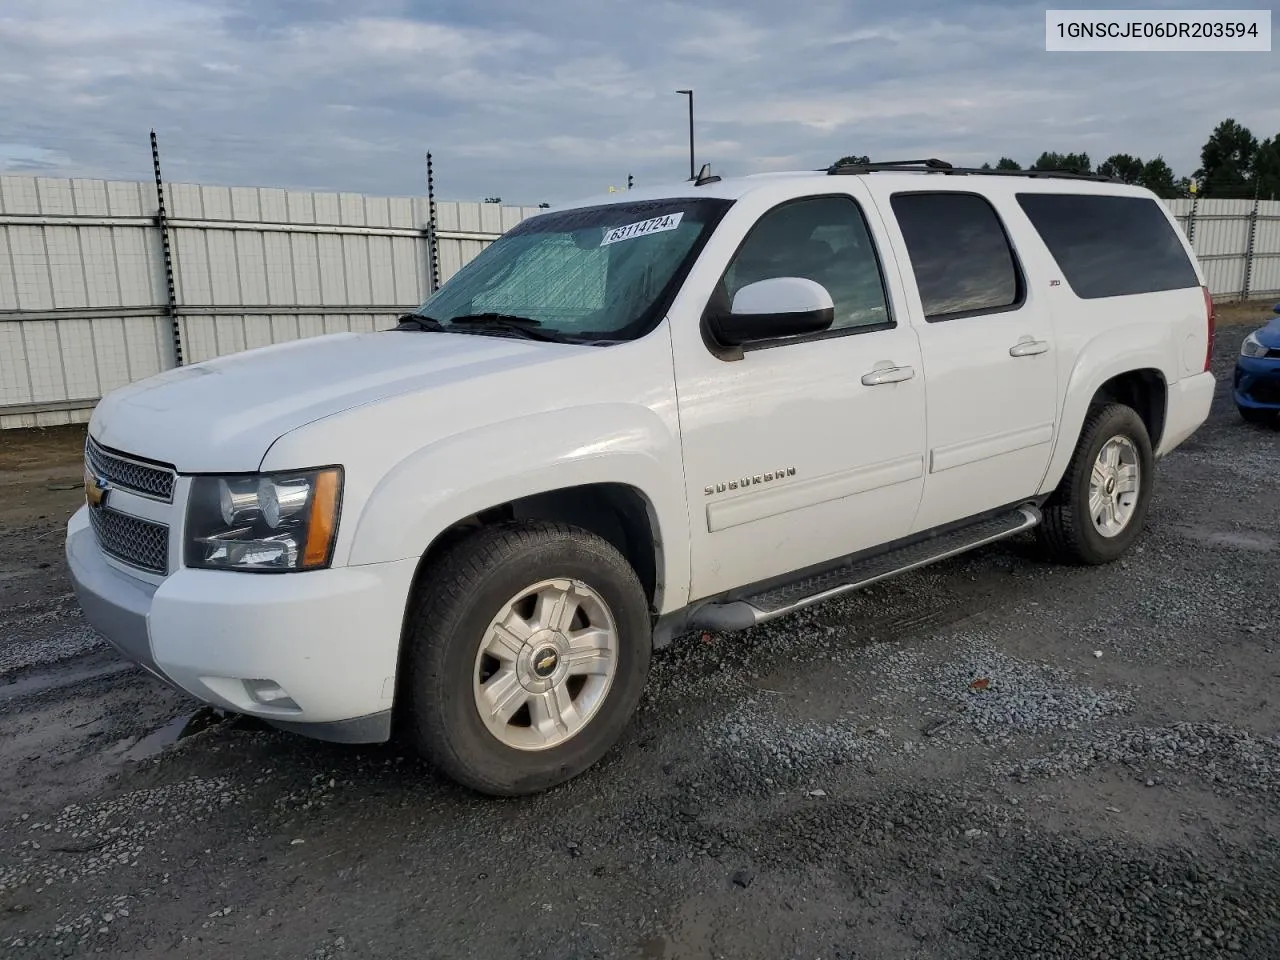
[(329, 639), (1189, 402), (1256, 383)]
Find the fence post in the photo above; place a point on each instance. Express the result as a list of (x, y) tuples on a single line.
[(1191, 220), (1248, 249), (162, 224), (433, 242)]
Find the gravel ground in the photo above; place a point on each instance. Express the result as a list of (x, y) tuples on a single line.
[(993, 757)]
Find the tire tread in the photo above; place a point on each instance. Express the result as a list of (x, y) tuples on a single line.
[(1061, 530), (442, 600)]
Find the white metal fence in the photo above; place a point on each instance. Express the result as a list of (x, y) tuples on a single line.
[(83, 289), (1237, 243), (84, 298)]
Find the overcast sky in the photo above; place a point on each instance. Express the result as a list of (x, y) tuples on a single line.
[(552, 99)]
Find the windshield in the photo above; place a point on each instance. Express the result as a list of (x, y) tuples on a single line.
[(589, 274)]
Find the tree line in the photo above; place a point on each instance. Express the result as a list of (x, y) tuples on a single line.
[(1233, 163)]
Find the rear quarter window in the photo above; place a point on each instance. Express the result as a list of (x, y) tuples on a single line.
[(960, 254), (1110, 246)]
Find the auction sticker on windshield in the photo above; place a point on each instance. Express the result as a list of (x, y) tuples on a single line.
[(642, 229)]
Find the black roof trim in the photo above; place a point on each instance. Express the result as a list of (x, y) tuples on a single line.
[(934, 165)]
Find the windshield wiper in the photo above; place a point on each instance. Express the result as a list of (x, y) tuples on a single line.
[(418, 321), (525, 327)]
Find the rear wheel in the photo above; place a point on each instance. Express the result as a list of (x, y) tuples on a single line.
[(1254, 415), (1099, 508), (528, 652)]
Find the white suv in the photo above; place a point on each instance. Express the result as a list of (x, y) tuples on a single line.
[(691, 408)]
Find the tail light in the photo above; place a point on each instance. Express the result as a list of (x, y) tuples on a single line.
[(1212, 320)]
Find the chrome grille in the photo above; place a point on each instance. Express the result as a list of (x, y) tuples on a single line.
[(132, 540), (128, 474)]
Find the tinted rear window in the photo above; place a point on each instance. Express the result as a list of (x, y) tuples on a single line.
[(1110, 246), (959, 254)]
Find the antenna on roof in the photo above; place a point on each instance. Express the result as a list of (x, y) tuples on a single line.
[(705, 176)]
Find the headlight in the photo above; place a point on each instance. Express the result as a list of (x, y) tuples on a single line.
[(1252, 348), (265, 522)]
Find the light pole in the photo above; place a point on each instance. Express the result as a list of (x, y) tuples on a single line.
[(689, 94)]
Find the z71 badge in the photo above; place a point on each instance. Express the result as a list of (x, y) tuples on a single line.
[(753, 481)]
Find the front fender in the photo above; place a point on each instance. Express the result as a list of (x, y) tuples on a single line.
[(457, 476), (1141, 346)]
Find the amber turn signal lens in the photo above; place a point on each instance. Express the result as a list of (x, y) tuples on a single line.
[(324, 519)]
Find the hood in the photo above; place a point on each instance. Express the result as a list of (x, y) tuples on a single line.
[(222, 415), (1269, 336)]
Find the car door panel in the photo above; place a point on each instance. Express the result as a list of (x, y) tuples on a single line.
[(790, 458), (986, 345), (988, 447), (847, 475)]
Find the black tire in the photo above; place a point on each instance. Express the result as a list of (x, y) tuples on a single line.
[(1254, 415), (1068, 533), (459, 597)]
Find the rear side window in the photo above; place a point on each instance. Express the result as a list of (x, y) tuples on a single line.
[(959, 253), (1110, 246)]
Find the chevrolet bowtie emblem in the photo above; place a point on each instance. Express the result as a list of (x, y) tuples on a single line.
[(95, 489)]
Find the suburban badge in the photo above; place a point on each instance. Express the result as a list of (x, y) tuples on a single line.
[(739, 483)]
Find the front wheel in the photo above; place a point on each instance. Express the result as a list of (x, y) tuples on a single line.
[(1101, 504), (528, 652)]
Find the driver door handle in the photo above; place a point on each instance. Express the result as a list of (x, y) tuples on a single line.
[(887, 375), (1027, 347)]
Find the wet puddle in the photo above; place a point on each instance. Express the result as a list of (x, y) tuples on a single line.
[(45, 681), (186, 725)]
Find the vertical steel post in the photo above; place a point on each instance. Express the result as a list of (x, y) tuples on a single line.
[(162, 224), (693, 173), (1248, 248), (693, 170), (433, 242)]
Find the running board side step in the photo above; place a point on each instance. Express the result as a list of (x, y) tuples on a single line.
[(777, 601)]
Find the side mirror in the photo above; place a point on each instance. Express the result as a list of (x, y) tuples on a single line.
[(778, 307)]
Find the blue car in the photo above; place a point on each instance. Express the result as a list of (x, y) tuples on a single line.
[(1257, 380)]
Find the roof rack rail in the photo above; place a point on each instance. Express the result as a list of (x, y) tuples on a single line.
[(1053, 174), (941, 166), (933, 163)]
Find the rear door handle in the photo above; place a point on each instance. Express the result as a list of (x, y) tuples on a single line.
[(887, 375), (1027, 347)]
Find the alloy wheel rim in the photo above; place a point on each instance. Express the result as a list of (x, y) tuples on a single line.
[(545, 664), (1114, 485)]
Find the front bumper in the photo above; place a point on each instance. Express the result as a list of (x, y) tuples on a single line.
[(328, 638), (1257, 382)]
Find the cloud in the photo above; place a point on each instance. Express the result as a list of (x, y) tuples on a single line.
[(16, 158), (558, 99)]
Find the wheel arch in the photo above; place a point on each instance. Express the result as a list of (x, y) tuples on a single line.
[(1144, 390), (1127, 368), (618, 513), (612, 468)]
